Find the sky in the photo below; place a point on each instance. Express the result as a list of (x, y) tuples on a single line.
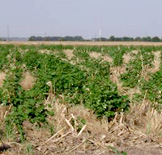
[(87, 18)]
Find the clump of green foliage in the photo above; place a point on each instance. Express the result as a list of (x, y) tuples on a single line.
[(133, 73), (135, 67), (23, 105), (154, 87), (89, 85)]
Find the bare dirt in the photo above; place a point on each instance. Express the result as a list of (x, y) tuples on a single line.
[(127, 58), (107, 58), (2, 78), (88, 43), (95, 55), (156, 62), (126, 133), (69, 53), (27, 81), (45, 51)]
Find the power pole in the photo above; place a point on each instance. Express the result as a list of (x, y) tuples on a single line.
[(8, 33), (100, 33)]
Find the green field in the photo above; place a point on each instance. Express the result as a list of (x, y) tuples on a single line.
[(106, 80)]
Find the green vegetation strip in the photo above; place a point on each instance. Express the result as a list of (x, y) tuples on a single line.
[(91, 87), (81, 80)]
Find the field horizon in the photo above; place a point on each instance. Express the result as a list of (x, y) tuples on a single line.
[(82, 43)]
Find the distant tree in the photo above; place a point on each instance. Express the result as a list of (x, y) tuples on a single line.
[(46, 38), (137, 39), (112, 38), (103, 39), (146, 39), (128, 39), (32, 38), (61, 39), (156, 39), (78, 38)]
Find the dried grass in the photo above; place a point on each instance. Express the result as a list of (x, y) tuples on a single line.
[(135, 52), (140, 127), (107, 58), (127, 58), (146, 70), (115, 78), (90, 117), (45, 51), (95, 55), (157, 62), (144, 119), (28, 81), (4, 110), (115, 74), (81, 43), (69, 53), (2, 78), (22, 50)]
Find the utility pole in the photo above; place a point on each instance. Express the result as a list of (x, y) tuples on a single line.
[(8, 33), (100, 33)]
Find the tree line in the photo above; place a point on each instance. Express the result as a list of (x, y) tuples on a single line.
[(66, 38), (142, 39), (80, 38)]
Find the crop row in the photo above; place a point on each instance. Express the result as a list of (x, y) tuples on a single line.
[(90, 85)]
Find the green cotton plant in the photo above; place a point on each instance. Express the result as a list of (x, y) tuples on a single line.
[(12, 94), (116, 53), (82, 54), (12, 90), (154, 87), (102, 96), (3, 58), (23, 106), (134, 68), (133, 73), (147, 56), (68, 80), (87, 82)]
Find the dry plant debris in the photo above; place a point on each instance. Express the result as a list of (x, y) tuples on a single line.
[(28, 81), (69, 53), (95, 55), (2, 78)]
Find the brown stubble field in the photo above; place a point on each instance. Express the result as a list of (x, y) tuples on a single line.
[(85, 43)]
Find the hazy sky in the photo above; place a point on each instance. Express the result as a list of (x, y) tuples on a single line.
[(81, 17)]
